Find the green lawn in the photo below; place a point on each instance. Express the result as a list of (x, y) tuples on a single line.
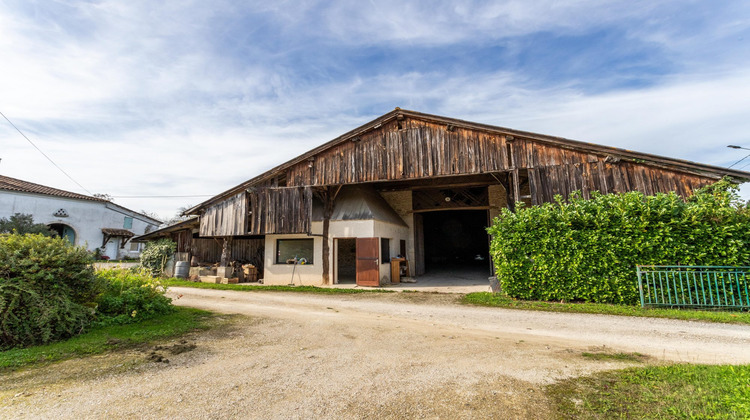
[(247, 288), (656, 392), (501, 301), (103, 339)]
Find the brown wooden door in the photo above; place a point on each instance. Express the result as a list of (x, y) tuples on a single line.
[(368, 270)]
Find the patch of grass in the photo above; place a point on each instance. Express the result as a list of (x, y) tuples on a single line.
[(103, 339), (247, 288), (674, 392), (502, 301), (620, 357)]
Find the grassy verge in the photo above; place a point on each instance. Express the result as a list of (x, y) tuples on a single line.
[(497, 300), (246, 288), (677, 391), (103, 339)]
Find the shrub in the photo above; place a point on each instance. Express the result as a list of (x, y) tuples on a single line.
[(587, 250), (47, 289), (155, 256), (131, 296), (22, 224)]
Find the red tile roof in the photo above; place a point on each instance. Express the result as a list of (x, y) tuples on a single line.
[(12, 184)]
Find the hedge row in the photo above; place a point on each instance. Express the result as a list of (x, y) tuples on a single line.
[(49, 292), (587, 250)]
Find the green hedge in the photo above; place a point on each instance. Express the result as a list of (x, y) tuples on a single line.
[(587, 250), (49, 292), (47, 289)]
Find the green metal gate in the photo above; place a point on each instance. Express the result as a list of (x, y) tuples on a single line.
[(694, 286)]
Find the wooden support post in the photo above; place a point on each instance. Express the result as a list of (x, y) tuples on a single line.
[(224, 253), (516, 188), (508, 185), (327, 198)]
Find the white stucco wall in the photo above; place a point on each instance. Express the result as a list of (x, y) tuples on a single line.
[(301, 274), (86, 218), (401, 202), (395, 233), (312, 274)]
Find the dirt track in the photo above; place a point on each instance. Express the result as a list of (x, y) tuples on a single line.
[(364, 356)]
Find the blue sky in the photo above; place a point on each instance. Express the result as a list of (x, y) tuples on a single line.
[(180, 98)]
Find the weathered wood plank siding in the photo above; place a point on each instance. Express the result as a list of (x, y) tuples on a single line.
[(226, 218), (208, 250), (419, 150), (280, 210), (405, 148), (183, 239), (548, 181)]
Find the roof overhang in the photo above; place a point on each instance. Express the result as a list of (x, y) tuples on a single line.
[(398, 113)]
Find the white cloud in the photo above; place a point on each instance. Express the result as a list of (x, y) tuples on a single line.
[(176, 98)]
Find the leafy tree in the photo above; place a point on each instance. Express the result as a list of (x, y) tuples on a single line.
[(104, 196), (23, 224), (178, 217)]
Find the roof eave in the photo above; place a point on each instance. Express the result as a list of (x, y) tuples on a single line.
[(669, 163)]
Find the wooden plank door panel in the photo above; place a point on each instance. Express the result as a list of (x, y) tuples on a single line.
[(368, 269)]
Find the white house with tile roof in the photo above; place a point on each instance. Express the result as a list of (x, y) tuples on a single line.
[(84, 220)]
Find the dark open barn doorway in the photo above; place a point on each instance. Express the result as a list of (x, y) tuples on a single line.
[(346, 260), (456, 240)]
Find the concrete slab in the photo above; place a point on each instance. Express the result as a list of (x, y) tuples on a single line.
[(445, 280)]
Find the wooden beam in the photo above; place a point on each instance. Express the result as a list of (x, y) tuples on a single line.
[(452, 208), (327, 199)]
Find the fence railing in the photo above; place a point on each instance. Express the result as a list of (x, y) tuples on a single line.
[(694, 286)]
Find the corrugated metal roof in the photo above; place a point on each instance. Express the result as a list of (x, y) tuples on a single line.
[(13, 184)]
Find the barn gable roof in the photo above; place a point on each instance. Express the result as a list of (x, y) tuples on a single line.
[(452, 123)]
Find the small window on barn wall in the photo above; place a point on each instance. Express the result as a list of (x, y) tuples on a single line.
[(128, 224), (385, 250), (287, 250)]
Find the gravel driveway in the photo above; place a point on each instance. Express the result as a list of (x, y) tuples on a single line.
[(401, 355)]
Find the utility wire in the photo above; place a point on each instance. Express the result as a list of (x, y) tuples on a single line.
[(160, 196), (738, 162), (45, 155)]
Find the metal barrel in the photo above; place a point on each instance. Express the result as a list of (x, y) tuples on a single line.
[(182, 269)]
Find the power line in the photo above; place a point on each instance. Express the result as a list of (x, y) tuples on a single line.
[(43, 154), (738, 162), (160, 196)]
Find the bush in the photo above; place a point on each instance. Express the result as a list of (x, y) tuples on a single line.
[(22, 224), (131, 296), (155, 256), (587, 250), (48, 289)]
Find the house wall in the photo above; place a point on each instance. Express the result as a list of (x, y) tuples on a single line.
[(395, 233), (401, 202), (312, 274), (86, 218), (303, 274)]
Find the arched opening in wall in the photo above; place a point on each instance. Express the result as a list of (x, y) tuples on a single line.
[(456, 244), (64, 231)]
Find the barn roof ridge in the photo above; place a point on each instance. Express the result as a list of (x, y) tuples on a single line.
[(662, 161)]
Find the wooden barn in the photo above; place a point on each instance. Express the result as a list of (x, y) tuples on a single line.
[(416, 187)]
